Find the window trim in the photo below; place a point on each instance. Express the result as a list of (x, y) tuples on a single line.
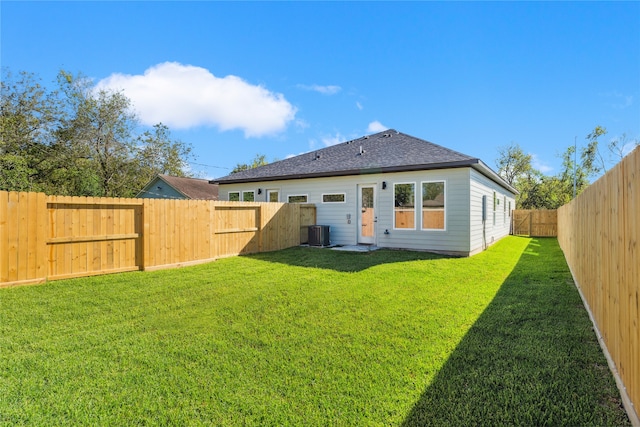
[(443, 181), (504, 209), (495, 198), (306, 196), (344, 197), (393, 205), (233, 192), (277, 190)]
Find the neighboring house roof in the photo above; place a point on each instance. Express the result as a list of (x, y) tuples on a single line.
[(191, 188), (388, 151)]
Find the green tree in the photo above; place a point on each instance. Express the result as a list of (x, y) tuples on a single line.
[(537, 191), (157, 153), (28, 116), (77, 140), (258, 160), (616, 148), (100, 129), (513, 164)]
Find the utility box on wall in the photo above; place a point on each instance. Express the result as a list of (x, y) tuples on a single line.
[(318, 235)]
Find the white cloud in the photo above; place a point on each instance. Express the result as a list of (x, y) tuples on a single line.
[(360, 107), (333, 140), (185, 96), (618, 100), (325, 90), (301, 124), (540, 165), (375, 127)]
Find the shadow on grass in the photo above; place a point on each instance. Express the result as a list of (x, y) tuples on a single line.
[(339, 260), (530, 359)]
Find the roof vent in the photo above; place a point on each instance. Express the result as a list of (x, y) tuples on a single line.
[(361, 150), (318, 155), (386, 135)]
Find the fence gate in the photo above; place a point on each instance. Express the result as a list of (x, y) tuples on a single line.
[(89, 236), (535, 223)]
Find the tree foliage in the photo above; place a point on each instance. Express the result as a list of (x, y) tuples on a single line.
[(77, 140), (258, 160), (615, 151), (538, 191), (513, 164)]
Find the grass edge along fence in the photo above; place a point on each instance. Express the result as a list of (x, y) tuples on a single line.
[(599, 233), (58, 237)]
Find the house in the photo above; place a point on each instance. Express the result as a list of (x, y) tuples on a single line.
[(391, 190), (177, 187)]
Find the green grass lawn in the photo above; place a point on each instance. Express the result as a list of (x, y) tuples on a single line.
[(311, 336)]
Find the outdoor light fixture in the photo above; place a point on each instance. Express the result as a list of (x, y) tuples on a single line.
[(384, 185), (259, 190)]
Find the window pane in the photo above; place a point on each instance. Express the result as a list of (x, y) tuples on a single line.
[(433, 205), (234, 197), (273, 196), (248, 196), (298, 199), (333, 198), (404, 205)]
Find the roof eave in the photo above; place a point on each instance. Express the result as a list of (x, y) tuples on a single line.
[(477, 164), (491, 174), (351, 172)]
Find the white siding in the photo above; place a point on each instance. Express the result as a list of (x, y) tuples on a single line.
[(485, 234), (454, 239)]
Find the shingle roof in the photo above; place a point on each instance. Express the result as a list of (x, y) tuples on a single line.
[(388, 151), (193, 188)]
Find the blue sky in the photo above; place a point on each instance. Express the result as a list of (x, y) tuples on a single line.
[(280, 79)]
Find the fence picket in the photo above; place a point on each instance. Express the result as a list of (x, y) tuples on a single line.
[(535, 223), (53, 237), (599, 233)]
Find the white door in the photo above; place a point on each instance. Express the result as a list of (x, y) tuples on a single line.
[(366, 214)]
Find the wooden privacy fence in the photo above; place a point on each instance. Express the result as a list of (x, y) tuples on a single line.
[(535, 223), (54, 237), (599, 233)]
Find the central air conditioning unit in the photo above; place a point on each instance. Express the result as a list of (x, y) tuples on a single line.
[(318, 235)]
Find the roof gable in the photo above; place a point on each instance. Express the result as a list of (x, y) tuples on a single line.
[(191, 188)]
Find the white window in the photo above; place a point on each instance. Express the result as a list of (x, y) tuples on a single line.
[(334, 198), (433, 205), (248, 196), (504, 209), (273, 196), (297, 198), (234, 196), (495, 203), (404, 206)]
